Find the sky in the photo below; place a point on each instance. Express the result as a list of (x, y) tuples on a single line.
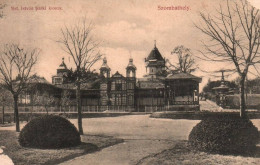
[(125, 29)]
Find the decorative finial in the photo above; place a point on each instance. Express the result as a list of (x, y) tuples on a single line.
[(62, 59), (222, 76), (105, 59), (155, 43), (130, 55)]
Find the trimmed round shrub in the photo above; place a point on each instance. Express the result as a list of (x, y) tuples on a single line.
[(49, 132), (224, 135)]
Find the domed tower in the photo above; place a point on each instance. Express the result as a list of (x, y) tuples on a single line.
[(105, 70), (131, 83), (155, 63), (131, 69), (61, 71), (105, 83)]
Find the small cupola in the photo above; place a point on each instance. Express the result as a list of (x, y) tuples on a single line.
[(131, 64), (62, 67), (105, 69), (131, 69)]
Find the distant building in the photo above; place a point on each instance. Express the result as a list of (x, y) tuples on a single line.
[(177, 91), (155, 91), (118, 90), (61, 71)]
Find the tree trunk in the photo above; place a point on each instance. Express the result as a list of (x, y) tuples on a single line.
[(64, 109), (3, 117), (61, 109), (79, 109), (242, 98), (46, 108), (16, 115)]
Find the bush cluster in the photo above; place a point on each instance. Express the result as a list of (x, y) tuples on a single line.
[(49, 131), (224, 135)]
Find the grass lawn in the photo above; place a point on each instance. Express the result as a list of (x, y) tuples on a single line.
[(25, 156), (181, 154)]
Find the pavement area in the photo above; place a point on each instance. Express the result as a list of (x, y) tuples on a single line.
[(143, 136)]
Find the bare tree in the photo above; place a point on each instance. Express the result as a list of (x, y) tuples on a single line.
[(78, 42), (234, 37), (15, 68), (5, 100), (186, 63)]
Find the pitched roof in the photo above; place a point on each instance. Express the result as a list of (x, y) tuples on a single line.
[(63, 65), (155, 55), (117, 74), (183, 76), (84, 86), (150, 84), (38, 79)]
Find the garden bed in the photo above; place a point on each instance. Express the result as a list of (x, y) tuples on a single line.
[(182, 154), (24, 156)]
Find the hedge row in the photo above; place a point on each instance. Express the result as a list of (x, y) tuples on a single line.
[(201, 115), (23, 116)]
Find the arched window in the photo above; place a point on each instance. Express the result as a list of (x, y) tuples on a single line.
[(104, 74), (131, 73)]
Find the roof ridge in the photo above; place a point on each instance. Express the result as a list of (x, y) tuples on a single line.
[(155, 54)]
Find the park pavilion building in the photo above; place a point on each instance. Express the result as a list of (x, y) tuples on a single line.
[(155, 91)]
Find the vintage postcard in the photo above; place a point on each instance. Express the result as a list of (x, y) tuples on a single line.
[(112, 82)]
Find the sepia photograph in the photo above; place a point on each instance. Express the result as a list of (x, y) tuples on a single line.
[(133, 82)]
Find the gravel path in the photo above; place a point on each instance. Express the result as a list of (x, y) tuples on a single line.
[(143, 137)]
